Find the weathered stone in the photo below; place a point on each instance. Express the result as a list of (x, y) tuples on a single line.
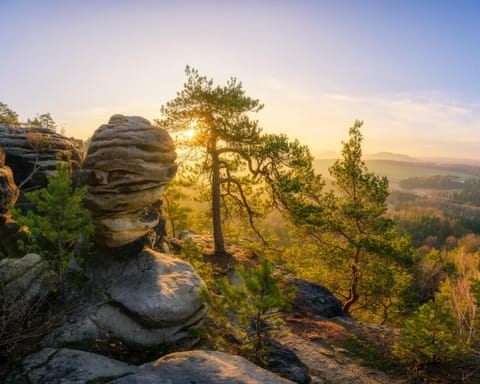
[(56, 366), (284, 362), (206, 367), (315, 299), (128, 164), (146, 300), (24, 281), (27, 149)]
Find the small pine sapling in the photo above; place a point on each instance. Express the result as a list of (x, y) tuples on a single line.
[(56, 221)]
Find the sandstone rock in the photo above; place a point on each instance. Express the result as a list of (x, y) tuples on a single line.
[(8, 189), (24, 281), (146, 300), (283, 361), (55, 366), (27, 148), (315, 299), (206, 367), (128, 164)]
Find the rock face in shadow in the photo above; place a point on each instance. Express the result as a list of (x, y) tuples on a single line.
[(143, 300), (128, 163), (23, 282), (315, 299), (27, 149)]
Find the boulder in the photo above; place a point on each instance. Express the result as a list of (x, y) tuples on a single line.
[(315, 299), (29, 149), (206, 367), (56, 366), (24, 281), (128, 164), (144, 301), (283, 361)]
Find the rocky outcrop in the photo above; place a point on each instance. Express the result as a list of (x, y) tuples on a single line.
[(39, 149), (55, 366), (315, 299), (128, 163), (23, 282), (206, 367), (145, 300)]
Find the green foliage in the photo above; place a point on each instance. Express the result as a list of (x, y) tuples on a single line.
[(350, 231), (429, 336), (192, 253), (227, 158), (8, 116), (43, 120), (177, 215), (476, 291), (254, 304), (222, 131), (56, 220)]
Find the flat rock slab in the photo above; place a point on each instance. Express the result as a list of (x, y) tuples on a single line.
[(62, 366), (68, 366)]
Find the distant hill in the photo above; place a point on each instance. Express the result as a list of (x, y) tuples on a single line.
[(389, 156)]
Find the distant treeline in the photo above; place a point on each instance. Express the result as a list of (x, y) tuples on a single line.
[(432, 182)]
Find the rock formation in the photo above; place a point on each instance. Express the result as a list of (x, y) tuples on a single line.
[(143, 300), (128, 163), (8, 196), (29, 149), (315, 299), (55, 366), (23, 282)]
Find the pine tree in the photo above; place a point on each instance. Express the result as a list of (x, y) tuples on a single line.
[(56, 220), (429, 336)]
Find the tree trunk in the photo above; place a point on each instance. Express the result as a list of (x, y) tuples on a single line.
[(218, 240), (353, 295)]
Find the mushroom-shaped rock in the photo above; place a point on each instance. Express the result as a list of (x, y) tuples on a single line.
[(127, 166)]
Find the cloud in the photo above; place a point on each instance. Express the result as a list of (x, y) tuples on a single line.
[(422, 124)]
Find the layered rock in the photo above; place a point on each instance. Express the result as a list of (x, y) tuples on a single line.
[(128, 164), (143, 300), (39, 149), (55, 366)]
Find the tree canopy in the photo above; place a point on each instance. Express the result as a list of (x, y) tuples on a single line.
[(7, 115), (226, 147)]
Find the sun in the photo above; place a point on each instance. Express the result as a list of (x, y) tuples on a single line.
[(189, 133)]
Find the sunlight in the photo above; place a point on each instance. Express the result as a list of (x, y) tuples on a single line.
[(189, 133)]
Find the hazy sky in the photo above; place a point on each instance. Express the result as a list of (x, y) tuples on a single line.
[(409, 69)]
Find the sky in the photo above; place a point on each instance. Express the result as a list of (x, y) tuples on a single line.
[(409, 69)]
